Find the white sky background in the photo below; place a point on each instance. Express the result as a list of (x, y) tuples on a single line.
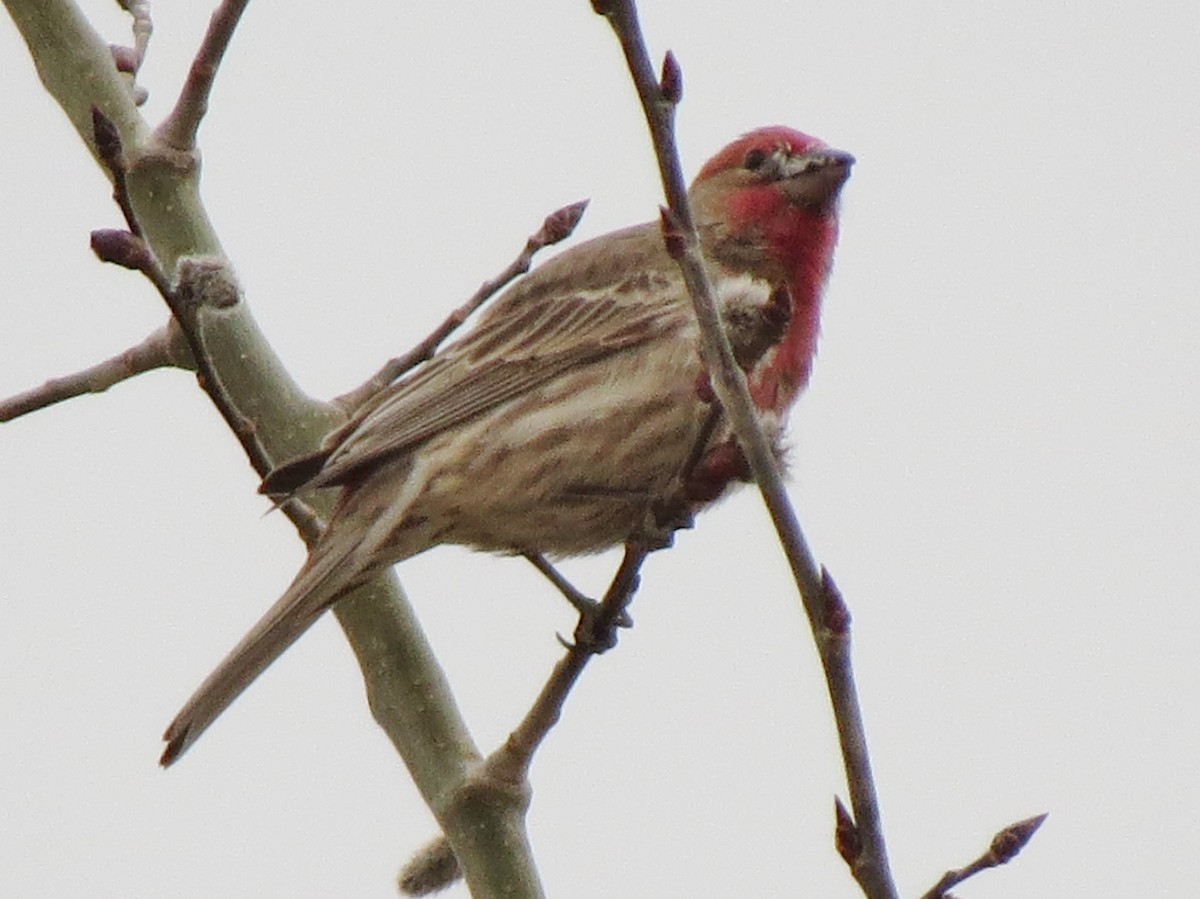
[(996, 458)]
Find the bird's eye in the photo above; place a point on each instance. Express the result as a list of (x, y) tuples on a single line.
[(755, 159)]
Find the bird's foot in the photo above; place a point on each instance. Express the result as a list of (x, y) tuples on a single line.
[(587, 607), (596, 631)]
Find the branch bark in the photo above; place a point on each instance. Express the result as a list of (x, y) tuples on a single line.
[(161, 349), (406, 688), (826, 613)]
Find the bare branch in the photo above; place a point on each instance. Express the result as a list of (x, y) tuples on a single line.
[(112, 157), (816, 590), (595, 633), (1005, 846), (162, 349), (429, 869), (556, 227), (406, 687), (179, 129), (830, 621), (201, 284)]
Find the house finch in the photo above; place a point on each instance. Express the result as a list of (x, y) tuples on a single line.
[(577, 408)]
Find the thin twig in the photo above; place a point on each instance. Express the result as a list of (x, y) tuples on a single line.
[(179, 128), (108, 147), (658, 102), (594, 634), (830, 621), (143, 28), (431, 869), (1004, 848), (556, 227), (159, 350), (200, 283)]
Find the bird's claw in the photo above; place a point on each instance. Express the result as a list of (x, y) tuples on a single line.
[(595, 633)]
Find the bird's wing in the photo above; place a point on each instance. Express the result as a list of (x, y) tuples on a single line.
[(529, 338)]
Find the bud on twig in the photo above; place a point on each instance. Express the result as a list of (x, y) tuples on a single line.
[(124, 58), (670, 83), (836, 613), (672, 232), (560, 224), (122, 248), (108, 140), (846, 837), (1008, 842)]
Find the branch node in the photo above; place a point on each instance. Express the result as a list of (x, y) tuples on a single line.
[(205, 282)]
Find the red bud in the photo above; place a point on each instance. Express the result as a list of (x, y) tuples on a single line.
[(672, 232), (837, 614), (107, 138), (125, 58), (1008, 842), (671, 80), (846, 837), (559, 224), (120, 247)]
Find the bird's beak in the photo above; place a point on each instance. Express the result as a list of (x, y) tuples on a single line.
[(814, 179)]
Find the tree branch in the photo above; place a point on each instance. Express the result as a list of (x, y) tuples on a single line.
[(162, 349), (594, 635), (1004, 848), (659, 98), (406, 688), (556, 227), (179, 128), (142, 28), (432, 868)]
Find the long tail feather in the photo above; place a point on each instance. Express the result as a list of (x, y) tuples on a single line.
[(329, 573)]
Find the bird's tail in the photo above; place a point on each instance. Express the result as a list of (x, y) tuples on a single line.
[(332, 570)]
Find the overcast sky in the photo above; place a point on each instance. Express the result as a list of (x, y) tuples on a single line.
[(997, 457)]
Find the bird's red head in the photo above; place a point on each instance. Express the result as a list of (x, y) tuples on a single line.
[(767, 204), (773, 178)]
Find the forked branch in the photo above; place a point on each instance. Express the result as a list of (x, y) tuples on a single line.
[(179, 129)]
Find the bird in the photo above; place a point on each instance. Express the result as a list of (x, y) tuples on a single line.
[(577, 408)]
